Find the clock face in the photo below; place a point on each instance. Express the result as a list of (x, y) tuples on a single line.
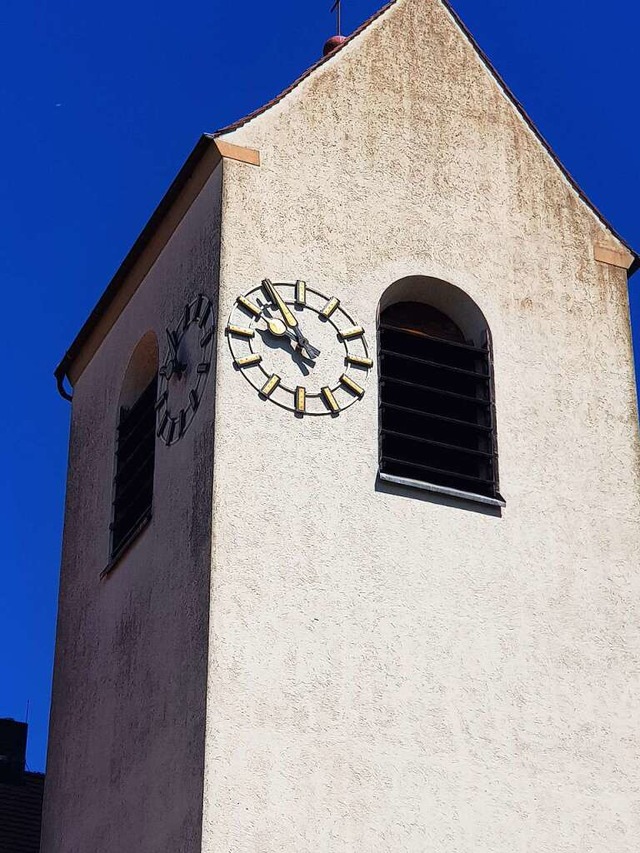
[(185, 370), (299, 348)]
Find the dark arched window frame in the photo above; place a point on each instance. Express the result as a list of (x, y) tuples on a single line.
[(437, 417), (135, 448)]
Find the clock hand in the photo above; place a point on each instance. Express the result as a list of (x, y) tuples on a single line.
[(290, 319), (277, 328), (303, 343), (287, 315), (174, 364)]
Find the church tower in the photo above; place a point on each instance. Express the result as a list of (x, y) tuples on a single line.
[(351, 537)]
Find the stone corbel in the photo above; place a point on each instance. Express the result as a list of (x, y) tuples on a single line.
[(614, 257), (237, 152)]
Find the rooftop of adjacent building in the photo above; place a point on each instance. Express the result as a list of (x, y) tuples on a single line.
[(20, 792)]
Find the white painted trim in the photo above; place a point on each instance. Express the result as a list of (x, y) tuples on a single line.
[(443, 490)]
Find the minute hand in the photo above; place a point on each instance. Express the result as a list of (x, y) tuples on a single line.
[(287, 315)]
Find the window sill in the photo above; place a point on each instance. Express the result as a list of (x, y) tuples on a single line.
[(443, 490), (136, 531)]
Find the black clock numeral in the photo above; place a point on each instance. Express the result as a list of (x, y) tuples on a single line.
[(182, 422), (204, 340), (193, 397), (187, 317), (161, 400), (174, 340), (172, 428), (203, 367), (204, 317), (163, 423)]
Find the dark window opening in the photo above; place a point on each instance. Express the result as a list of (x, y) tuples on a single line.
[(135, 455), (437, 419)]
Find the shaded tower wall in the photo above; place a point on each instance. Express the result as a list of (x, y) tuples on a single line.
[(125, 761)]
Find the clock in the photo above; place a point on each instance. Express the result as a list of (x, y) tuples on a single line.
[(299, 348), (185, 370)]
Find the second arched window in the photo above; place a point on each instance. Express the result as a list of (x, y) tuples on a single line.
[(437, 415)]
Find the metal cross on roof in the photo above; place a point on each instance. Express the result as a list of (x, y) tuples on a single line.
[(337, 8)]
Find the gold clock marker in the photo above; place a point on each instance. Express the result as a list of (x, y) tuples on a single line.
[(330, 307), (330, 400), (270, 385), (300, 398), (301, 292), (359, 361), (348, 382), (251, 307), (240, 331), (351, 332), (255, 358)]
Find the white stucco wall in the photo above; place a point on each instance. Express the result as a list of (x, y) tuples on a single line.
[(124, 771), (390, 671)]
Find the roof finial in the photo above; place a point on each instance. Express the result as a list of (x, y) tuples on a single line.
[(338, 39), (337, 8)]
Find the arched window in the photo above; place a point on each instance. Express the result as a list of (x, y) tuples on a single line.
[(135, 446), (437, 414)]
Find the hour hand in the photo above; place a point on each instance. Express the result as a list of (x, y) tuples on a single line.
[(278, 329)]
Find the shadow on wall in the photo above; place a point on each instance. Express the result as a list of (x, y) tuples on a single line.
[(397, 489)]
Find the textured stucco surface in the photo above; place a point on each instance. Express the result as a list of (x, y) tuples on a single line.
[(390, 672), (124, 770), (382, 670)]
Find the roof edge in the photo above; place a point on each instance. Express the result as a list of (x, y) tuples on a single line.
[(203, 145), (498, 78), (208, 140), (318, 64), (546, 145)]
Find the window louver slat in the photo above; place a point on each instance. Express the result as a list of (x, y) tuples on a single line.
[(454, 447)]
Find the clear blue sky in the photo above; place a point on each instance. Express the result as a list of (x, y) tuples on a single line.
[(100, 105)]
